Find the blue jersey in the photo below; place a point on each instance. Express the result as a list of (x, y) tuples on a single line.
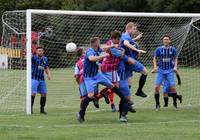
[(38, 65), (91, 68), (165, 57), (128, 52), (121, 68)]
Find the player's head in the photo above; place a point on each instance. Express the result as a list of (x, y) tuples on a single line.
[(80, 51), (166, 40), (40, 51), (95, 42), (115, 36), (131, 28)]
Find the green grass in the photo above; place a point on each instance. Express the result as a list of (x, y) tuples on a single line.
[(63, 102)]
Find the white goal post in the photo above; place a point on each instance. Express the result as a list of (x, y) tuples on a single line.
[(62, 27)]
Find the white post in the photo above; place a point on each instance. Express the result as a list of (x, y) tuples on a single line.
[(28, 62)]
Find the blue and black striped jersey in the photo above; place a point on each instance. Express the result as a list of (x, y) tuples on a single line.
[(166, 56), (39, 64), (91, 68)]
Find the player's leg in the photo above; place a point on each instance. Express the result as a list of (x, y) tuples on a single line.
[(42, 89), (103, 93), (166, 99), (159, 79), (124, 107), (125, 104), (90, 84), (138, 67), (111, 97), (166, 91), (34, 90), (171, 80)]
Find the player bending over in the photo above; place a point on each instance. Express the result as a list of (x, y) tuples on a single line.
[(131, 50), (165, 63), (39, 65)]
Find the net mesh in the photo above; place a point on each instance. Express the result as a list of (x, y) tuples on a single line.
[(55, 31)]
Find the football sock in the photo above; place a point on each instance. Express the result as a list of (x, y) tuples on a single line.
[(175, 99), (42, 103), (142, 81), (129, 86), (157, 98), (166, 99), (84, 104), (111, 97)]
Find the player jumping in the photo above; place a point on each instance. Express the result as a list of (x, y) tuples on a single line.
[(131, 50)]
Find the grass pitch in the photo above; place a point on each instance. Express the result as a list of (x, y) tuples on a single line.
[(102, 124)]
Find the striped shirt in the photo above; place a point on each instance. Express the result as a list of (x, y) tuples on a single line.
[(110, 63), (79, 68), (165, 57), (39, 64), (90, 68)]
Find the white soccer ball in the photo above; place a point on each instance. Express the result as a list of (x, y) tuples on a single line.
[(71, 47)]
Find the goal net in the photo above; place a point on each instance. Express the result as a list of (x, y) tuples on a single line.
[(54, 29)]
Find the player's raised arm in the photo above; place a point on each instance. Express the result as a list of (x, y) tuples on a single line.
[(131, 29), (132, 47)]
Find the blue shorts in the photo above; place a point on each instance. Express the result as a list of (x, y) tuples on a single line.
[(166, 87), (137, 67), (83, 90), (161, 77), (124, 88), (39, 86), (92, 82), (112, 76)]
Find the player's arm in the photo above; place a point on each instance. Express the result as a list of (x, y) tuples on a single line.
[(97, 58), (175, 64), (155, 68), (77, 74), (138, 37), (105, 47), (178, 77), (116, 52), (47, 71), (132, 47)]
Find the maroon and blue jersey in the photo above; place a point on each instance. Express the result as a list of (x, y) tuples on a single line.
[(129, 52), (38, 64), (165, 56), (110, 63), (91, 68), (79, 68)]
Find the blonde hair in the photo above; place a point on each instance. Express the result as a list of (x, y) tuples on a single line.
[(130, 25)]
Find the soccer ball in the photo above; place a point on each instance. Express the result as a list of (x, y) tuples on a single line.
[(71, 47)]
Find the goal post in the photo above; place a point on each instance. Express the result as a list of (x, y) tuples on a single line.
[(57, 28)]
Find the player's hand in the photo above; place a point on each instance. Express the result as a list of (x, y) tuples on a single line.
[(138, 37), (104, 54), (49, 77), (141, 51), (154, 70)]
